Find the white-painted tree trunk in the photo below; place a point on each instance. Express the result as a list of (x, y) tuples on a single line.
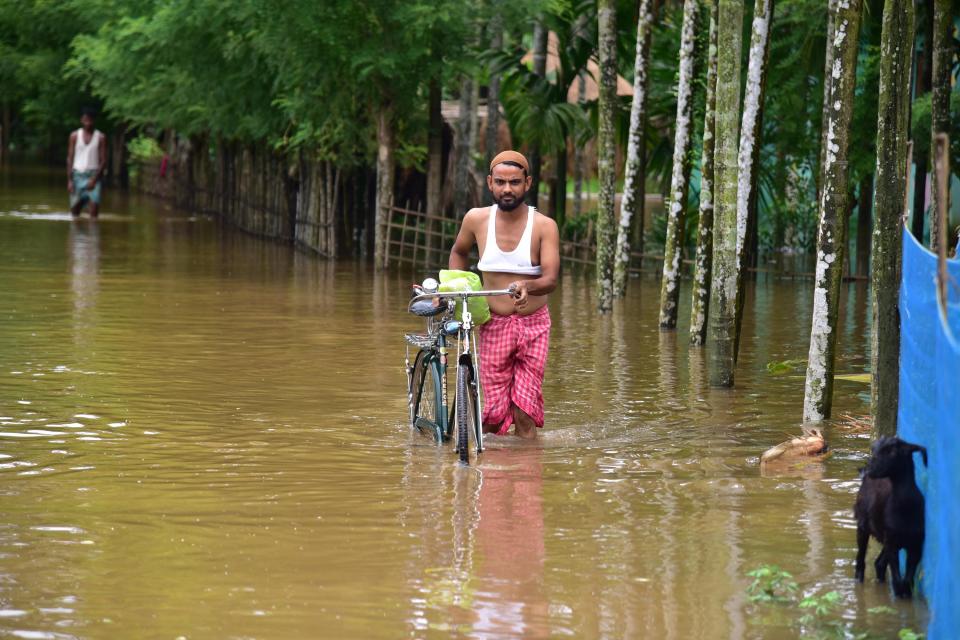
[(635, 173), (831, 237), (700, 305), (827, 77), (748, 159), (680, 175)]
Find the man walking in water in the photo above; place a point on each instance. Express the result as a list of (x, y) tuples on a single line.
[(519, 247), (86, 162)]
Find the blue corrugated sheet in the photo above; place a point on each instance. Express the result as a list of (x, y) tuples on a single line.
[(929, 414)]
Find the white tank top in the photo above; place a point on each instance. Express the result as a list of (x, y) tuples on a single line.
[(86, 156), (516, 261)]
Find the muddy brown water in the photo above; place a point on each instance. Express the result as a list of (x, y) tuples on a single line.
[(203, 435)]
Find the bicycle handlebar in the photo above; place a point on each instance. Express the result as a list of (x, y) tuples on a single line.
[(460, 294)]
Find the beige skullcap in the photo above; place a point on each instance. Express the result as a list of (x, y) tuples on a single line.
[(509, 156)]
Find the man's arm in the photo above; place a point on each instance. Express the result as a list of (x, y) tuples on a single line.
[(460, 253), (549, 263), (71, 145)]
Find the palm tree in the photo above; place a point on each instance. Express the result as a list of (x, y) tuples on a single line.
[(635, 172), (723, 291), (606, 151), (831, 237), (700, 307), (680, 179), (750, 142), (940, 105)]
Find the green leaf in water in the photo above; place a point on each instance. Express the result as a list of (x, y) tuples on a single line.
[(785, 366), (881, 609)]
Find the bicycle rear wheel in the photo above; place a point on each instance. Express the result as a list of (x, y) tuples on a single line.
[(426, 411), (466, 413)]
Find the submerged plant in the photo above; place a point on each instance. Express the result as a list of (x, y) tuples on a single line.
[(771, 584), (785, 366), (814, 615)]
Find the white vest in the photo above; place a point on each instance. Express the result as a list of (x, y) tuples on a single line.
[(86, 157)]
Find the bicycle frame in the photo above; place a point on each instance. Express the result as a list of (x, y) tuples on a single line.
[(468, 355)]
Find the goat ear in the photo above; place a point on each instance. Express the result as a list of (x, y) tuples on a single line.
[(923, 452)]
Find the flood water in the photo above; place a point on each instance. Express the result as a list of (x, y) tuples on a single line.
[(203, 435)]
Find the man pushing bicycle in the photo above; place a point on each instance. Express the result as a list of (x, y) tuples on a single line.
[(519, 248)]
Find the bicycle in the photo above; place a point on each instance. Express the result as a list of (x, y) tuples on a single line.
[(427, 376)]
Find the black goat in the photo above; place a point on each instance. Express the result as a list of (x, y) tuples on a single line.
[(890, 507)]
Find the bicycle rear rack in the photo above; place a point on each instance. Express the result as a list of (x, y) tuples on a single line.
[(420, 340)]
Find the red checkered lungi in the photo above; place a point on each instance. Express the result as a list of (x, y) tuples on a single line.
[(513, 356)]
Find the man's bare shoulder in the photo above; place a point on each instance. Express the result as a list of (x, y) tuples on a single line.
[(73, 136), (546, 224), (475, 216)]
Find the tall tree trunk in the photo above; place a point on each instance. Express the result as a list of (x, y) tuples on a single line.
[(723, 291), (922, 157), (635, 173), (5, 132), (539, 68), (118, 156), (940, 108), (748, 159), (827, 81), (493, 101), (700, 307), (864, 224), (578, 152), (558, 202), (606, 151), (464, 148), (680, 178), (893, 127), (831, 240), (434, 165), (384, 197)]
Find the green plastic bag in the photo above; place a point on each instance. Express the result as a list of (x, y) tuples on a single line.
[(456, 280)]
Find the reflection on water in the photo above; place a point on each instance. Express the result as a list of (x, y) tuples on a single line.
[(203, 435), (84, 252)]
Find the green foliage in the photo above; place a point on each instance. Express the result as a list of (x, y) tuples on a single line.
[(144, 149), (771, 584), (814, 615), (576, 227), (34, 46), (910, 634), (920, 126), (310, 77), (818, 608)]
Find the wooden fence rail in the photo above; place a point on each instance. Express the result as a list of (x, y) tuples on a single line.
[(418, 239)]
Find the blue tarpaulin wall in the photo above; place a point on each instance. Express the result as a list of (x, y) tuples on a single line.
[(929, 414)]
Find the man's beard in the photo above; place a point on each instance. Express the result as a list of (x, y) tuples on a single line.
[(512, 203)]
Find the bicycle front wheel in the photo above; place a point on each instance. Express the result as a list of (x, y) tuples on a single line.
[(466, 413), (426, 409)]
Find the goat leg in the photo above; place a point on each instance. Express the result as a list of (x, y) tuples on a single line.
[(880, 564), (863, 537), (913, 559), (900, 588)]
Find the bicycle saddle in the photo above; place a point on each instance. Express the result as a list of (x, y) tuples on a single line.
[(426, 308)]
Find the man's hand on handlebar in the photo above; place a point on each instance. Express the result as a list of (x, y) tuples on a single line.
[(520, 295)]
